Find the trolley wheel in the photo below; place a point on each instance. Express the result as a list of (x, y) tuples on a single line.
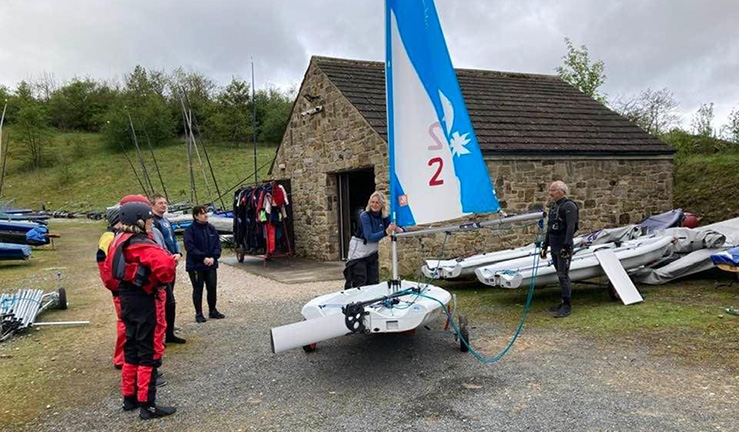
[(240, 254), (62, 298), (612, 293), (309, 348), (464, 333)]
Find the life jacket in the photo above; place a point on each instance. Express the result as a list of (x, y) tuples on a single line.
[(116, 271), (556, 221)]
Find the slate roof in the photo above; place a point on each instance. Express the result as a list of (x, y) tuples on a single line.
[(512, 113)]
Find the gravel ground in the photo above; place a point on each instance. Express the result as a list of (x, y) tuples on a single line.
[(226, 379)]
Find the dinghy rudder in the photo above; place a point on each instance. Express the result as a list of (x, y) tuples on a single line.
[(307, 332)]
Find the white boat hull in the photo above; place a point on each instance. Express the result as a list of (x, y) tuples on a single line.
[(325, 319), (465, 267), (584, 264)]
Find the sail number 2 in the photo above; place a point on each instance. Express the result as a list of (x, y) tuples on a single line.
[(439, 162)]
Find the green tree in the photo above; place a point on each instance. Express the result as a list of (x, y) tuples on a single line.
[(200, 94), (702, 122), (143, 97), (731, 129), (276, 115), (578, 71), (80, 105), (31, 127), (231, 121)]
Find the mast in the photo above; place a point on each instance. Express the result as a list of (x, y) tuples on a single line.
[(254, 121), (4, 155), (133, 169), (156, 165), (193, 193), (5, 159), (138, 153), (207, 159), (390, 135)]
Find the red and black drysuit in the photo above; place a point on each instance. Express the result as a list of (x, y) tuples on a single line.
[(140, 268), (103, 244)]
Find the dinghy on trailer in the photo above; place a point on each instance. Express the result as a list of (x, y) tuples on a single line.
[(437, 173)]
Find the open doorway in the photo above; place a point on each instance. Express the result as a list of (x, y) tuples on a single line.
[(355, 188)]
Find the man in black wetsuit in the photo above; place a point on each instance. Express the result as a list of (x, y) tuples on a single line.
[(562, 224)]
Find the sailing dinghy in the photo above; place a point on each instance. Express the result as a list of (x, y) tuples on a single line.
[(437, 173), (584, 265)]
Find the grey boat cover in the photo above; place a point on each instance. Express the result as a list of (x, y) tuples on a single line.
[(610, 235), (692, 252)]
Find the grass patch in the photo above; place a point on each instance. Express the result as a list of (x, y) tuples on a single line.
[(686, 317), (58, 367), (88, 175)]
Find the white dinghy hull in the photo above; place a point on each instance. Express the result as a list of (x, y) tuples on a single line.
[(325, 318), (584, 264), (465, 267)]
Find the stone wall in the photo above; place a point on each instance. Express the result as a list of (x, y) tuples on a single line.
[(314, 149), (610, 191)]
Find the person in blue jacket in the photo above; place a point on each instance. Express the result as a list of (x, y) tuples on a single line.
[(159, 207), (362, 266), (203, 246)]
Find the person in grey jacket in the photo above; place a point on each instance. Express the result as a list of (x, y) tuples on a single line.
[(562, 224), (159, 207)]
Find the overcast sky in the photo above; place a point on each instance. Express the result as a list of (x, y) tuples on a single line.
[(690, 47)]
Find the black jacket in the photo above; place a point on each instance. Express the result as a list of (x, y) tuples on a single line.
[(562, 224), (201, 241)]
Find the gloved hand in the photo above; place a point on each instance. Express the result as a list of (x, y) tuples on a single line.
[(566, 252)]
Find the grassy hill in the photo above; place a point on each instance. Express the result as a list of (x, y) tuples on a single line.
[(83, 174), (704, 185)]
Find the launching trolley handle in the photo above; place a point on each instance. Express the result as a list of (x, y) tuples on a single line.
[(476, 225)]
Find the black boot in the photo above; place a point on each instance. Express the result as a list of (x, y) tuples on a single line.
[(564, 310), (174, 339), (170, 310), (200, 318), (215, 314), (555, 308), (152, 411), (130, 403)]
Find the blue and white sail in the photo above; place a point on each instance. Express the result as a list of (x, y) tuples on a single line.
[(437, 172)]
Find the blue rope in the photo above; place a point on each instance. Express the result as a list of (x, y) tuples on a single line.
[(489, 360)]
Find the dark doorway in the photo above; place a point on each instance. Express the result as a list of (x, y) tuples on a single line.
[(355, 188)]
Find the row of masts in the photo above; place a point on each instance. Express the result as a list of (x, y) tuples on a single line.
[(194, 141)]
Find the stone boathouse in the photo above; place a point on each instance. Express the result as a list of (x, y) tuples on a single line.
[(532, 129)]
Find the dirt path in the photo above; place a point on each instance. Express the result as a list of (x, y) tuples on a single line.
[(225, 377)]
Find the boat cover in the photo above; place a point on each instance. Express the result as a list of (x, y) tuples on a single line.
[(694, 261), (38, 236), (17, 226), (610, 235), (14, 251), (669, 219)]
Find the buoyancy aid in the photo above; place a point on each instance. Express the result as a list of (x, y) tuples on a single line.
[(137, 261), (116, 270)]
